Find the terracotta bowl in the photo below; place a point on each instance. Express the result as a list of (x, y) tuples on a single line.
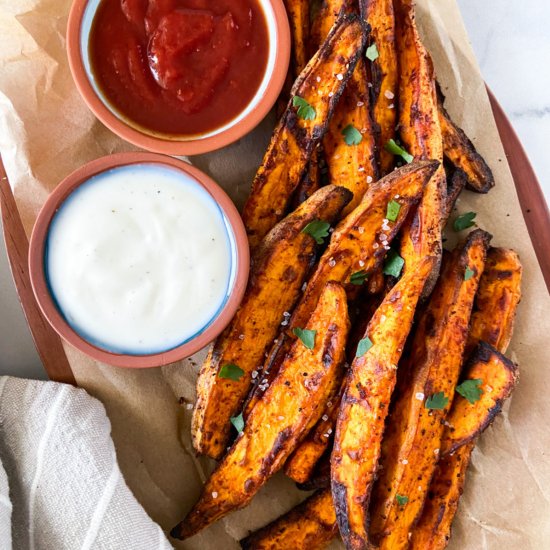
[(37, 251), (78, 30)]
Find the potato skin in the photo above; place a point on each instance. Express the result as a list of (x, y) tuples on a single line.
[(421, 134), (383, 74), (280, 267), (462, 154), (495, 307), (289, 407), (411, 446), (309, 526), (365, 404), (295, 138), (355, 245)]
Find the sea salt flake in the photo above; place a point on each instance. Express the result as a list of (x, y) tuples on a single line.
[(389, 94), (340, 76), (420, 396), (214, 494)]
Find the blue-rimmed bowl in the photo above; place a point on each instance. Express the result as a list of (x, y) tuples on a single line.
[(47, 302)]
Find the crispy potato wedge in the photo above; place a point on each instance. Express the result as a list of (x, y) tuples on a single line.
[(311, 181), (492, 321), (383, 74), (365, 404), (466, 420), (309, 526), (460, 152), (421, 135), (279, 269), (320, 478), (352, 164), (298, 17), (289, 408), (295, 137), (410, 449), (455, 185), (497, 299), (356, 245)]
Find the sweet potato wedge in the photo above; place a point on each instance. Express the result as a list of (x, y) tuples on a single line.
[(356, 245), (410, 449), (289, 408), (365, 404), (280, 267), (421, 135), (460, 152), (492, 321), (497, 299), (455, 185), (466, 420), (296, 135), (311, 180), (383, 74), (298, 17), (309, 526)]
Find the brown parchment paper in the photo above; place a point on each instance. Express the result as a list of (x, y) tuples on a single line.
[(46, 132)]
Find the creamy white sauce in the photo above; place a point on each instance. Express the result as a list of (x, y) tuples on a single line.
[(140, 259)]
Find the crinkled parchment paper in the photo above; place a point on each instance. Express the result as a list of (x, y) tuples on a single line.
[(46, 132)]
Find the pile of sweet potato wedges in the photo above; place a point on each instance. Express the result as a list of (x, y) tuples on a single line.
[(365, 360)]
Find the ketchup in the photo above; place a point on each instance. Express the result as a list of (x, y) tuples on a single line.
[(182, 67)]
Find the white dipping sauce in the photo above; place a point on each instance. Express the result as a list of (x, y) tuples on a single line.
[(140, 259)]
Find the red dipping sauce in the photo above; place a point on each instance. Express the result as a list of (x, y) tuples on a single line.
[(181, 67)]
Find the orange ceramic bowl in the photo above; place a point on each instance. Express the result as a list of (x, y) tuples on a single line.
[(78, 31), (39, 279)]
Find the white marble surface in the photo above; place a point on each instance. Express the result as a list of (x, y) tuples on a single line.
[(512, 43)]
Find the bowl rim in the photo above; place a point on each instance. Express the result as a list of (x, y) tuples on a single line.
[(47, 304), (192, 146)]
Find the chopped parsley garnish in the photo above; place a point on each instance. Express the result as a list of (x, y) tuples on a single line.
[(393, 210), (395, 149), (318, 229), (352, 136), (231, 372), (238, 422), (304, 109), (437, 401), (401, 499), (372, 52), (359, 277), (464, 221), (468, 274), (470, 390), (394, 264), (306, 336), (363, 346)]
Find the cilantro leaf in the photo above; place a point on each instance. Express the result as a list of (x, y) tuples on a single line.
[(470, 390), (464, 221), (437, 401), (238, 422), (304, 109), (468, 274), (395, 149), (394, 264), (352, 136), (231, 372), (363, 346), (359, 277), (372, 52), (318, 229), (306, 336), (393, 210), (401, 499)]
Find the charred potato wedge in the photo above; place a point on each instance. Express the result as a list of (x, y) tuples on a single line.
[(412, 443), (365, 404), (279, 269), (309, 526), (298, 17), (467, 420), (421, 135), (320, 85), (288, 409), (383, 74), (462, 154)]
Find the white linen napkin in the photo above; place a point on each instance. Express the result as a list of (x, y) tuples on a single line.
[(60, 484)]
